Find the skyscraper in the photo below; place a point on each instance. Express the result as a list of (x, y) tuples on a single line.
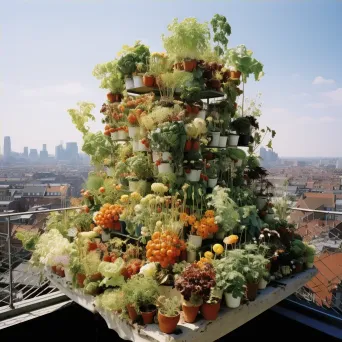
[(7, 147), (26, 152), (71, 151), (43, 155), (33, 154)]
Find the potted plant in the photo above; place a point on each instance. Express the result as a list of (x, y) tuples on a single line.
[(212, 173), (234, 289), (265, 278), (191, 251), (213, 129), (193, 295), (242, 127), (309, 254), (168, 314), (193, 170), (187, 40), (127, 65), (211, 307), (215, 81)]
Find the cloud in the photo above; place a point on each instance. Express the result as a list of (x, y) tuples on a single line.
[(316, 105), (71, 88), (335, 96), (300, 96), (319, 80)]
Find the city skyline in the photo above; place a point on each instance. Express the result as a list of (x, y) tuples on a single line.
[(302, 87)]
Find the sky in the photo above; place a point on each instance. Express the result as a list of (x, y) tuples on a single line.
[(48, 49)]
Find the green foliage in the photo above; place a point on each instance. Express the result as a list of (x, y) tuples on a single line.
[(94, 182), (97, 146), (241, 59), (250, 219), (187, 39), (140, 166), (83, 221), (111, 300), (82, 115), (310, 252), (140, 290), (110, 76), (222, 31), (112, 273), (91, 262), (167, 178), (241, 125), (28, 239), (297, 249), (168, 306), (212, 171)]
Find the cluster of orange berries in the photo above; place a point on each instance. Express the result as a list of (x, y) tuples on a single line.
[(164, 248), (203, 227), (108, 216)]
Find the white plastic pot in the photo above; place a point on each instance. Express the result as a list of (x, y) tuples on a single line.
[(193, 176), (233, 140), (105, 236), (195, 240), (232, 302), (191, 256), (122, 135), (133, 185), (165, 168), (133, 131), (202, 113), (115, 136), (215, 139), (155, 156), (261, 202), (212, 182), (223, 141), (138, 81), (166, 156), (138, 146), (129, 84), (262, 284)]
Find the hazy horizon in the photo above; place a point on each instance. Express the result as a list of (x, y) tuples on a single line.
[(50, 50)]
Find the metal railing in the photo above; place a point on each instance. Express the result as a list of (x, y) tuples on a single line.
[(323, 229), (18, 280)]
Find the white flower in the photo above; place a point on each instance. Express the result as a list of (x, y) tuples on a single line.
[(192, 162), (209, 119), (149, 270), (159, 224), (138, 208), (261, 236)]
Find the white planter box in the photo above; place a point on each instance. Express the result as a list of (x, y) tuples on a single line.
[(215, 139), (138, 146), (212, 182), (223, 141), (129, 84), (202, 114), (195, 240), (232, 302), (165, 168), (233, 140), (115, 136), (193, 176), (138, 81), (122, 135), (133, 131)]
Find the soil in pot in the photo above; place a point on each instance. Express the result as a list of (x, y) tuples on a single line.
[(244, 140), (167, 324), (148, 312), (210, 311), (132, 313), (252, 291), (190, 313)]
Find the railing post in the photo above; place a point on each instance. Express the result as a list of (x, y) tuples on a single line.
[(9, 248)]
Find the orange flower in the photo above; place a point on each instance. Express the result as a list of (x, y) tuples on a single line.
[(118, 187), (209, 213), (183, 217), (231, 239), (191, 219)]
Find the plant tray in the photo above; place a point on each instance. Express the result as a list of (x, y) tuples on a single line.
[(205, 94), (206, 331)]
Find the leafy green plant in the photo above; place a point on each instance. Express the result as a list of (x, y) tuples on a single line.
[(168, 306), (111, 300), (110, 76), (140, 166), (97, 146), (310, 252), (81, 116), (187, 39), (212, 169), (112, 273), (241, 60), (222, 31), (241, 125), (28, 239)]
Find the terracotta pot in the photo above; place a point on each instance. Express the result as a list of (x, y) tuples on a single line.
[(210, 311), (118, 97), (167, 324), (148, 80), (96, 276), (148, 312), (132, 313), (215, 84), (235, 74), (190, 313), (54, 269), (252, 291), (189, 65), (80, 278), (111, 97)]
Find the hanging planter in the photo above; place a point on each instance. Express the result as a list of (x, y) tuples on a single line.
[(166, 156), (233, 139), (155, 156), (212, 182), (232, 302), (138, 146), (129, 83), (244, 140), (165, 168), (223, 141), (133, 131), (193, 175), (195, 240), (138, 81), (215, 139)]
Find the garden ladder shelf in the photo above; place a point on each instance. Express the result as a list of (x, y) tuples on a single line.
[(206, 331)]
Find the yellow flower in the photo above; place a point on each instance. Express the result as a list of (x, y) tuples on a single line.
[(118, 187), (231, 239), (124, 198), (208, 255), (135, 196), (218, 249)]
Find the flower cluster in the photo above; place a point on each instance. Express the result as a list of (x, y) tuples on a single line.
[(108, 216)]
